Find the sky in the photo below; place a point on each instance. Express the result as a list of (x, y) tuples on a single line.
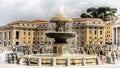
[(12, 10)]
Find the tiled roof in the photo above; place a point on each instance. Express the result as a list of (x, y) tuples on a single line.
[(28, 22), (87, 19), (40, 22)]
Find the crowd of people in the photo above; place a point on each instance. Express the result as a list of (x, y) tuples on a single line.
[(107, 53), (35, 49), (22, 50)]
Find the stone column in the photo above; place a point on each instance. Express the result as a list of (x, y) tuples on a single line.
[(53, 61), (98, 61), (68, 61), (83, 61), (39, 63), (116, 36), (113, 36)]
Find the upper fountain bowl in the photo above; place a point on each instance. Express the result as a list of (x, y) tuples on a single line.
[(60, 37), (61, 18)]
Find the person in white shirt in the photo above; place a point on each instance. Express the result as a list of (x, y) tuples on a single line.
[(117, 53), (109, 60), (113, 56)]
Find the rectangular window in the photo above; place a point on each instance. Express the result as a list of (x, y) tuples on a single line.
[(95, 27), (90, 42), (9, 33), (101, 28), (24, 33), (82, 27), (28, 33), (38, 33), (100, 32), (89, 37), (0, 35), (5, 44), (90, 32), (8, 43), (41, 33), (90, 27), (17, 34), (82, 32), (95, 32), (82, 38), (4, 35), (108, 31), (34, 33)]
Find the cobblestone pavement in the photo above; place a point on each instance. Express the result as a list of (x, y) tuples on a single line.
[(92, 66)]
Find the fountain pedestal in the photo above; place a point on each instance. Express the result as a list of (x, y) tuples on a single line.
[(60, 46), (60, 49)]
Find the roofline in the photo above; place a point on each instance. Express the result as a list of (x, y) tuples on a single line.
[(87, 19)]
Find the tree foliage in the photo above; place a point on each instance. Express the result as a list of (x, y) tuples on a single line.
[(84, 15), (101, 12)]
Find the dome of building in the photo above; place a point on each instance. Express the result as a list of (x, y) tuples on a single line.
[(61, 18)]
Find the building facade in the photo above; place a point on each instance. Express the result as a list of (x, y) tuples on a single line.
[(116, 31), (20, 33), (91, 31), (108, 32)]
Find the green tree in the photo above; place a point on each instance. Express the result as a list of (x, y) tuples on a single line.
[(101, 16), (93, 12), (103, 9), (84, 15), (101, 12)]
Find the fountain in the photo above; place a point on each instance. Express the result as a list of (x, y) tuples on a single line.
[(60, 29), (60, 35)]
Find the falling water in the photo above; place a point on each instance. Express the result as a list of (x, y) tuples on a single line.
[(68, 26), (51, 27), (60, 6), (76, 40)]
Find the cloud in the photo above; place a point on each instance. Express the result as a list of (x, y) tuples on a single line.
[(11, 10)]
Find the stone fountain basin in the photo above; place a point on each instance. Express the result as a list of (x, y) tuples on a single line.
[(60, 37), (63, 35)]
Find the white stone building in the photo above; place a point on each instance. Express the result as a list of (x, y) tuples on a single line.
[(116, 31)]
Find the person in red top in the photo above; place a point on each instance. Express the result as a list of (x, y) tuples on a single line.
[(102, 54), (103, 59)]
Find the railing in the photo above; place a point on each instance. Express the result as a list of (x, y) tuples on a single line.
[(65, 61)]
